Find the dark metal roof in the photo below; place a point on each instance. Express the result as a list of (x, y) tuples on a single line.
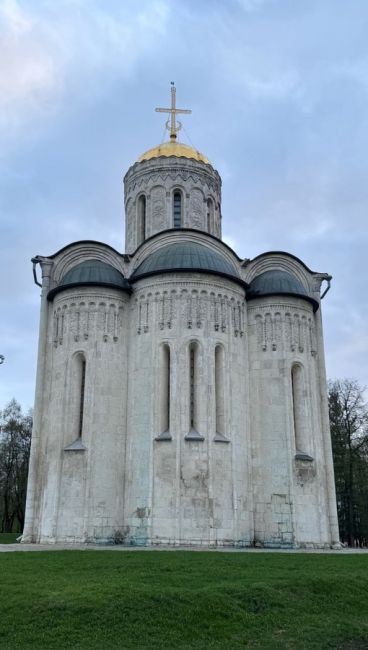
[(179, 232), (275, 282), (91, 273), (186, 256)]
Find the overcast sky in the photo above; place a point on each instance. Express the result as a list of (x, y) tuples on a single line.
[(279, 93)]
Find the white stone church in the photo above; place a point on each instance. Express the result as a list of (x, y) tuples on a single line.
[(181, 391)]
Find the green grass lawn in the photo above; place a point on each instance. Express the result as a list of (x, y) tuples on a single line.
[(182, 600), (8, 538)]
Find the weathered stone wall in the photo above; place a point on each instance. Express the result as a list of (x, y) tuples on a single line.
[(185, 489), (83, 488), (290, 496), (176, 447)]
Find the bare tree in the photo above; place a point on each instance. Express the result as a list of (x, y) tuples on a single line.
[(349, 433), (15, 443)]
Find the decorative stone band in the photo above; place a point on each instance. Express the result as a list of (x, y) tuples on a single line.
[(87, 316), (284, 325), (191, 308)]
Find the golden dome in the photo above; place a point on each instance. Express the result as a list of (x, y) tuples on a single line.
[(173, 148)]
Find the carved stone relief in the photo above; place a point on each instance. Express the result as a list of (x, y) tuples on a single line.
[(143, 313), (158, 209), (193, 308), (146, 180), (196, 209), (282, 327), (81, 320), (130, 226)]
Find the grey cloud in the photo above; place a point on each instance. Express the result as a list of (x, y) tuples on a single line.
[(279, 95)]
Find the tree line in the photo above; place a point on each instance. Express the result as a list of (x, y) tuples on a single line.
[(15, 445), (349, 434)]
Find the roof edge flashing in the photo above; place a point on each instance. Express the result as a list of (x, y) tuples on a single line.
[(73, 285)]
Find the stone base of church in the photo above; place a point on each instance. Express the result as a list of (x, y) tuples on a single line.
[(182, 543)]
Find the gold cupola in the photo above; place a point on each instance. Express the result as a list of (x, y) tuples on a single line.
[(173, 147), (171, 186)]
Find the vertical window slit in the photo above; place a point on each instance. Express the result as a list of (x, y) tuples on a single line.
[(219, 390), (141, 219), (193, 393), (192, 386), (300, 413), (164, 394), (177, 209), (81, 399), (220, 433), (210, 214), (165, 425)]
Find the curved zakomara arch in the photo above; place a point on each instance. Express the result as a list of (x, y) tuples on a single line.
[(81, 251), (173, 235), (280, 261)]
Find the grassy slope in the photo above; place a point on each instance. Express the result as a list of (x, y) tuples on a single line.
[(182, 600), (8, 538)]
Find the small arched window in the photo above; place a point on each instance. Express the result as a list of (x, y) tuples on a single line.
[(141, 219), (82, 393), (165, 389), (301, 414), (219, 390), (76, 403), (193, 362), (210, 215), (77, 395), (177, 209), (194, 390)]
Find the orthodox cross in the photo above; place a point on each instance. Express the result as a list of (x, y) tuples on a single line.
[(172, 125)]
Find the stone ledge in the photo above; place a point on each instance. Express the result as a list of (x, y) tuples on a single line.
[(194, 435), (77, 445), (164, 436)]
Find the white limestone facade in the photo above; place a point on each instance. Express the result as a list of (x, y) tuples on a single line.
[(181, 391)]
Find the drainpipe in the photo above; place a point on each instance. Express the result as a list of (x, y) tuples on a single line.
[(328, 279)]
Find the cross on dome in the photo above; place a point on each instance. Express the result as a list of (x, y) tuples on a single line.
[(172, 124)]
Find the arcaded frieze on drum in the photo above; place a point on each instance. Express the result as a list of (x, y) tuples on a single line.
[(192, 309), (170, 170), (143, 181), (283, 326), (86, 316)]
